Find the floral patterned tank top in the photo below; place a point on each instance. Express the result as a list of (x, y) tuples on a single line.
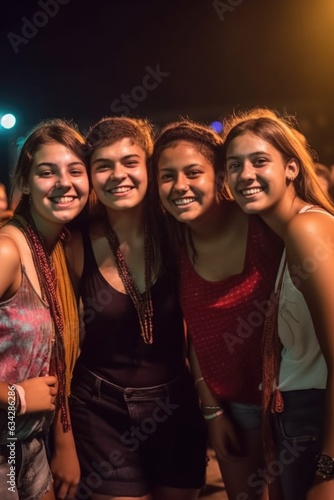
[(26, 332)]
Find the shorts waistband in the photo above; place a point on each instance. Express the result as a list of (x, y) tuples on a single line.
[(305, 397), (103, 386)]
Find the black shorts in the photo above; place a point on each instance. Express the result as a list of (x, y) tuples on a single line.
[(130, 440)]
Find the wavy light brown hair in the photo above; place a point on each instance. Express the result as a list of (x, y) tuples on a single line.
[(46, 132), (280, 133)]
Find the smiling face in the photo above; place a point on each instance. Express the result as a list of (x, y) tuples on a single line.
[(57, 183), (119, 174), (187, 182), (258, 175)]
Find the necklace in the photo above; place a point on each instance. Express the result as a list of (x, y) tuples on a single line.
[(142, 302), (47, 278)]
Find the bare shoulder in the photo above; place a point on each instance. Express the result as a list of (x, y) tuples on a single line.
[(10, 265), (16, 235), (308, 230), (11, 240), (311, 223), (8, 249)]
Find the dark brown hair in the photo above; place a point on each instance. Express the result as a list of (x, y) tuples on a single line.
[(111, 129), (202, 137), (106, 132), (207, 142)]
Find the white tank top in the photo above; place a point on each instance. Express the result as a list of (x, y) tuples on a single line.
[(303, 365)]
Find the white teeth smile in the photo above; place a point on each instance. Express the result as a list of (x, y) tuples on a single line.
[(120, 190), (184, 201), (246, 192), (63, 199)]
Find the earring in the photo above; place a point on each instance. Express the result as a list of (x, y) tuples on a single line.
[(25, 190), (291, 178)]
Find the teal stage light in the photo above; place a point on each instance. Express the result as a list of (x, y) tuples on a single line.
[(8, 121)]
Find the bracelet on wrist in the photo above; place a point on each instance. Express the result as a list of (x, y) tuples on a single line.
[(198, 380), (22, 398), (206, 407), (17, 401), (214, 415)]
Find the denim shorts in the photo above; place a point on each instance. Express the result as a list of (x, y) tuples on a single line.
[(132, 439), (298, 436), (24, 470), (247, 417)]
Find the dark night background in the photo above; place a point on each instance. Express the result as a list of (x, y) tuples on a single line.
[(275, 53)]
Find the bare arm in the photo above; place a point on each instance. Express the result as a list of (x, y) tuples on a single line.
[(310, 246), (64, 462), (223, 436), (205, 395), (39, 391)]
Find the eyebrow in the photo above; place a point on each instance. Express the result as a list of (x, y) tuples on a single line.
[(126, 157), (187, 166), (251, 154), (54, 165)]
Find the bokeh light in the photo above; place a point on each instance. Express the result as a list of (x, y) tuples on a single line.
[(217, 126), (8, 121)]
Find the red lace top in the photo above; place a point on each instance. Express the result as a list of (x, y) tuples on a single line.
[(225, 319)]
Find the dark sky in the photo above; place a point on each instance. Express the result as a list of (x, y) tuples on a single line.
[(83, 59)]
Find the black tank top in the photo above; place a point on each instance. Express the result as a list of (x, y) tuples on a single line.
[(112, 345)]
